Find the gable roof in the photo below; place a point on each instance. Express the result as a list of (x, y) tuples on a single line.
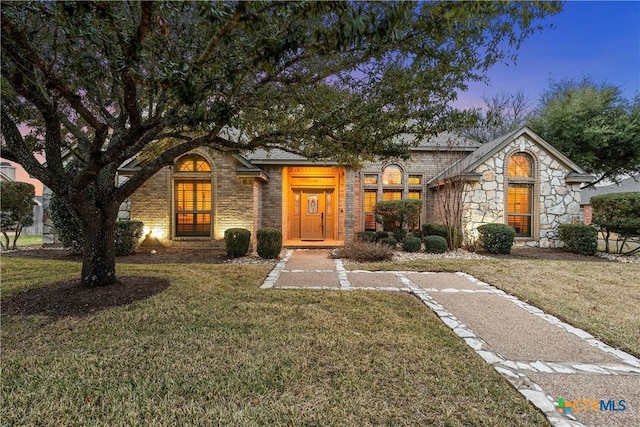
[(467, 165), (440, 142), (625, 186)]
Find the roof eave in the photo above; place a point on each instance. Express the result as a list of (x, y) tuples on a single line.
[(578, 178), (464, 177)]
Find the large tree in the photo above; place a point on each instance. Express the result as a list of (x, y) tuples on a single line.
[(107, 81), (593, 124)]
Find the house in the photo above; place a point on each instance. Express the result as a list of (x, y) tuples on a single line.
[(626, 185), (518, 179)]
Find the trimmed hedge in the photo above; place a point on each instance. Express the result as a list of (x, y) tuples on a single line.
[(435, 244), (389, 241), (128, 234), (497, 238), (579, 238), (236, 241), (411, 244), (269, 242), (434, 230)]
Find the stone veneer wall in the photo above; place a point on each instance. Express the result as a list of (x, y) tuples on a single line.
[(555, 201)]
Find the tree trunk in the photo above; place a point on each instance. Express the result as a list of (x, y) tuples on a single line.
[(99, 254)]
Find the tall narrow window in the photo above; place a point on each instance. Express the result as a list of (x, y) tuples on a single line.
[(370, 199), (520, 194), (193, 197)]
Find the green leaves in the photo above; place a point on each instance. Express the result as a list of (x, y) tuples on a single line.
[(593, 124)]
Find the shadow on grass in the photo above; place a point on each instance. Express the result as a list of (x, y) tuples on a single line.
[(68, 298)]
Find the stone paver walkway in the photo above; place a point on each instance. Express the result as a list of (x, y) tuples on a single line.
[(543, 358)]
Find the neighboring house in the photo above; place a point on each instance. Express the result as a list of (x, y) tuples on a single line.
[(8, 174), (518, 179), (625, 186)]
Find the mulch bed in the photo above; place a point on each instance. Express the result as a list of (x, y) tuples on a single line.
[(68, 298)]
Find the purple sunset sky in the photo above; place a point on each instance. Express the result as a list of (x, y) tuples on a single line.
[(596, 39)]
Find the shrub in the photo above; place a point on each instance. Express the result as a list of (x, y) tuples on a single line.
[(269, 242), (434, 230), (398, 214), (399, 234), (67, 226), (497, 238), (367, 236), (127, 237), (411, 244), (17, 209), (365, 252), (617, 213), (389, 241), (381, 235), (236, 241), (417, 233), (579, 238), (435, 244)]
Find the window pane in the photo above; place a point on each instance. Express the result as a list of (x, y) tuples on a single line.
[(370, 199), (415, 179), (520, 166), (370, 179), (203, 196), (520, 223), (193, 208), (414, 195), (192, 163), (520, 209), (392, 195), (519, 199), (392, 175)]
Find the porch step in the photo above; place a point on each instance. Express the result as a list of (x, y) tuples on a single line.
[(311, 244)]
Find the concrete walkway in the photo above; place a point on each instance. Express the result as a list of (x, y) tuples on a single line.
[(548, 361)]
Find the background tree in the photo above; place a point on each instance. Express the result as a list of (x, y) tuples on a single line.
[(593, 125), (108, 81), (17, 209), (502, 113)]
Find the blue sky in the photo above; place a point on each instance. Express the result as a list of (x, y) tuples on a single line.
[(597, 39)]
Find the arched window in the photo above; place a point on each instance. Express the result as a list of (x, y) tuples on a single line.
[(520, 166), (520, 175), (192, 196), (192, 163), (392, 175)]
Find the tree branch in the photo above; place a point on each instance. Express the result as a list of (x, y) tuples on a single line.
[(28, 52), (226, 29)]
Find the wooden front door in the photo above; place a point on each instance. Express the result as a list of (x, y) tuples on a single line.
[(313, 215)]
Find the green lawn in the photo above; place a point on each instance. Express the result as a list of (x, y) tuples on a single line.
[(25, 240), (602, 298), (213, 349)]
